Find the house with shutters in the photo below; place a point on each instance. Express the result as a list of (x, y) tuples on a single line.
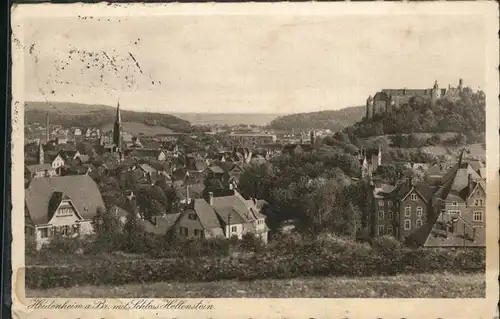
[(63, 205)]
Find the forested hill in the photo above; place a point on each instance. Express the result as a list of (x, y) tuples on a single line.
[(464, 114), (334, 120), (75, 114)]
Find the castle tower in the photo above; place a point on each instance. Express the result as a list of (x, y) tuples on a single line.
[(117, 139), (369, 107), (460, 85), (47, 129), (435, 93), (40, 153)]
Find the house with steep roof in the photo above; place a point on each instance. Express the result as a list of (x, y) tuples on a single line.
[(69, 155), (62, 205), (159, 225), (225, 217), (148, 153), (460, 211), (415, 207)]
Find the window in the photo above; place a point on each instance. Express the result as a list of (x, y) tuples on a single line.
[(381, 230), (454, 203), (381, 203), (455, 212), (389, 230), (44, 232), (192, 216), (407, 211), (234, 228), (381, 215), (413, 196), (407, 224), (419, 223), (65, 230), (197, 233), (477, 217), (389, 215), (389, 203), (184, 231), (419, 211), (478, 202)]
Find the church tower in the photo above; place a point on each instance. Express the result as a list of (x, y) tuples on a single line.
[(460, 85), (312, 137), (117, 138), (47, 129), (369, 107), (40, 153)]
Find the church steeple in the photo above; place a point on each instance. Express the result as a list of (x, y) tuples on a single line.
[(117, 139), (40, 153)]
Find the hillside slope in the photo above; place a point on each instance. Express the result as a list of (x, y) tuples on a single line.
[(76, 114), (465, 114), (334, 120)]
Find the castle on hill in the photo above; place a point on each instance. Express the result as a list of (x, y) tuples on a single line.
[(389, 100)]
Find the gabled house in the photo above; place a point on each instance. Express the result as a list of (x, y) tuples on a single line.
[(62, 205), (414, 207), (144, 173), (224, 216), (68, 155), (460, 210), (148, 153)]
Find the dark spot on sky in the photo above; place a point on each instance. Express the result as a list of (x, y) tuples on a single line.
[(53, 91)]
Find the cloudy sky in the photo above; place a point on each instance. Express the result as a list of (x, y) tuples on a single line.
[(243, 64)]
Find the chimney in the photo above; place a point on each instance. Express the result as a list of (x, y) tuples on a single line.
[(211, 198), (188, 199), (409, 181)]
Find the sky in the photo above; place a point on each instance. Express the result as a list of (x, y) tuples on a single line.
[(247, 64)]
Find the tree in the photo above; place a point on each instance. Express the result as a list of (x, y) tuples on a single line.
[(108, 230), (134, 235)]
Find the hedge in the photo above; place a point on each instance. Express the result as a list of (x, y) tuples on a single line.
[(287, 259)]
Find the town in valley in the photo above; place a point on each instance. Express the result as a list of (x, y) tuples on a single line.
[(405, 175)]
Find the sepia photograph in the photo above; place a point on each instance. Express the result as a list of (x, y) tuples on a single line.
[(259, 155)]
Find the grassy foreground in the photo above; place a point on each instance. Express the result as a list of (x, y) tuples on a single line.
[(441, 285)]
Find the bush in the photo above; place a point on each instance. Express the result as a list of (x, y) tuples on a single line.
[(291, 256)]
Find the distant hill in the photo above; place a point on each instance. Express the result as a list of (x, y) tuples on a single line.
[(334, 120), (76, 114), (259, 119)]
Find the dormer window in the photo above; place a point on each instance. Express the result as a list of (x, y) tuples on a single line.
[(454, 204)]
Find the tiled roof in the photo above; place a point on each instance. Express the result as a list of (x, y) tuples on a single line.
[(147, 168), (84, 158), (438, 237), (206, 214), (38, 167), (162, 224), (81, 189), (235, 205)]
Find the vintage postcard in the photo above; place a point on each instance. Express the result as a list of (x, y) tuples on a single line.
[(313, 160)]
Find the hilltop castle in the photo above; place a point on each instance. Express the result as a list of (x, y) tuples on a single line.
[(389, 100)]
